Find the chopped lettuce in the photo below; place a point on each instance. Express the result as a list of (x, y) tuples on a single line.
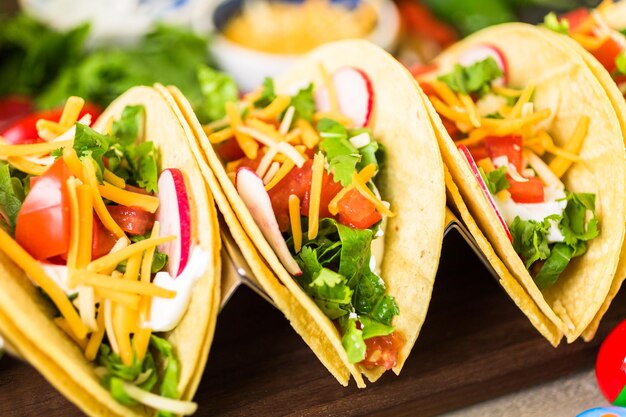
[(552, 22), (169, 378), (530, 238), (128, 129), (90, 144), (13, 190), (496, 180), (217, 88), (473, 79)]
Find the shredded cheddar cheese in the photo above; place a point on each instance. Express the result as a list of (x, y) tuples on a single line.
[(221, 135), (128, 198), (142, 338), (294, 218), (275, 108), (285, 124), (446, 94), (85, 224), (369, 195), (89, 174), (524, 98), (113, 179), (365, 174), (72, 253), (27, 166), (95, 340), (248, 145), (112, 259), (120, 297), (560, 165), (71, 111), (285, 169), (316, 193), (33, 148), (310, 137)]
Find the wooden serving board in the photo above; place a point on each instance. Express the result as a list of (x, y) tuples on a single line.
[(475, 345)]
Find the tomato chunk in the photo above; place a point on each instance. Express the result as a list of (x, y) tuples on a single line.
[(330, 188), (132, 220), (509, 146), (43, 223), (608, 52), (298, 182), (356, 211), (530, 191), (25, 129), (576, 18), (478, 152), (102, 240), (383, 350), (229, 150)]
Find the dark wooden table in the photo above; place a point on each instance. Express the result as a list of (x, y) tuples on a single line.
[(474, 346)]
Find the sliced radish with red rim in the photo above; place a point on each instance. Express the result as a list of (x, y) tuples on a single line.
[(174, 215), (254, 195), (355, 95), (472, 164), (480, 53)]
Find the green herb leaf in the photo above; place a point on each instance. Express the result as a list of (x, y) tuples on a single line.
[(496, 180), (169, 378), (475, 78), (573, 224), (342, 156), (12, 195), (552, 22), (267, 93), (530, 239), (218, 89), (127, 130), (304, 103), (90, 144), (556, 263)]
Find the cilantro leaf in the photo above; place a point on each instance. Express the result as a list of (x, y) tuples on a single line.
[(574, 218), (530, 239), (331, 286), (352, 340), (496, 180), (127, 130), (475, 78), (304, 103), (267, 93), (552, 22), (12, 195), (342, 156), (90, 144), (217, 89)]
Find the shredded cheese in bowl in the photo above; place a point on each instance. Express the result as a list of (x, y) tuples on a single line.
[(294, 28)]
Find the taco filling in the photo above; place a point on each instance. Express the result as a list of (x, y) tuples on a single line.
[(307, 173), (506, 142), (105, 235)]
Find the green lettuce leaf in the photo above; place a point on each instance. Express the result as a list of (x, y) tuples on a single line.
[(127, 130), (475, 78), (342, 156), (90, 144), (559, 258), (552, 22), (218, 89), (169, 378), (12, 194)]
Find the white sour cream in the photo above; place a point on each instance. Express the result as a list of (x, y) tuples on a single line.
[(166, 313), (536, 211), (59, 274)]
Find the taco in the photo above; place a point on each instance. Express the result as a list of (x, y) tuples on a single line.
[(601, 33), (109, 257), (536, 151), (298, 171)]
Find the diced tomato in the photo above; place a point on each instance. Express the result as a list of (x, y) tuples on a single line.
[(451, 128), (102, 241), (478, 152), (12, 108), (43, 223), (510, 146), (138, 190), (383, 350), (25, 129), (132, 220), (608, 52), (356, 211), (530, 191), (576, 17), (229, 150), (421, 22), (330, 188)]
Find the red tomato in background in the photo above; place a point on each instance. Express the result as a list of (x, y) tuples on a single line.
[(419, 20), (576, 17), (13, 108), (43, 223), (24, 130), (611, 365), (608, 52), (102, 240), (478, 152), (132, 220), (357, 211), (530, 191), (509, 146), (382, 350)]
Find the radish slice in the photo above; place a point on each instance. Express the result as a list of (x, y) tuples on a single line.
[(252, 191), (175, 219), (354, 94), (482, 52), (470, 160)]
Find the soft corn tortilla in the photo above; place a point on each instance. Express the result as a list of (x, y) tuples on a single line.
[(564, 83), (412, 181), (26, 318)]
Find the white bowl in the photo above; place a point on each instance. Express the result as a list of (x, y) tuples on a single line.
[(249, 67)]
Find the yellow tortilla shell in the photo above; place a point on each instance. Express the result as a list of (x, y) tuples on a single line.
[(26, 318), (564, 83), (412, 181)]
